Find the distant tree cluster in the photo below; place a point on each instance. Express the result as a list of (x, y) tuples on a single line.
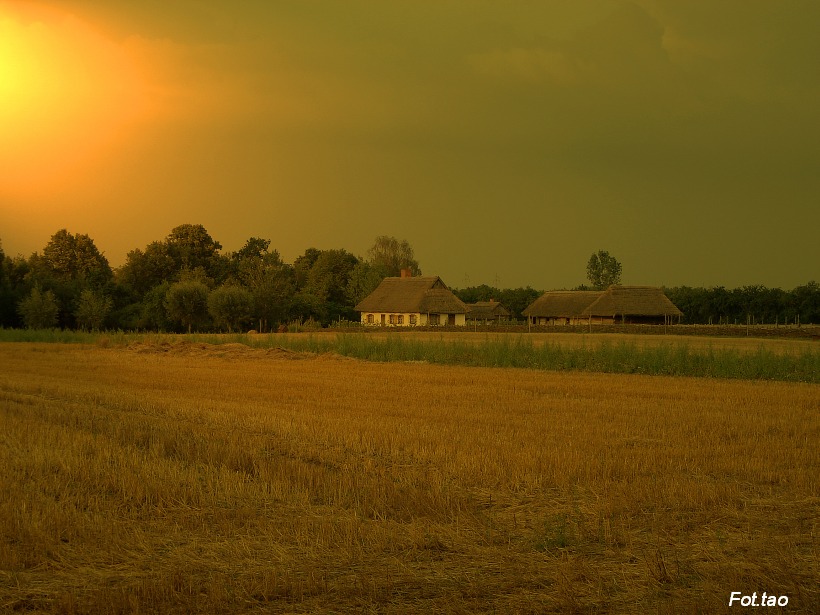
[(754, 304), (514, 299), (185, 282)]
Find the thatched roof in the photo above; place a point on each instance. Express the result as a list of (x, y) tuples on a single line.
[(423, 294), (487, 310), (632, 301), (562, 303)]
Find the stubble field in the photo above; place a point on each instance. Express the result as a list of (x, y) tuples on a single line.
[(223, 479)]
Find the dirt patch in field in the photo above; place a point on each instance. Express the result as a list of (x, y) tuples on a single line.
[(222, 351)]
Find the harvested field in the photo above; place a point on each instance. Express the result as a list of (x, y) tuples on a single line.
[(186, 477)]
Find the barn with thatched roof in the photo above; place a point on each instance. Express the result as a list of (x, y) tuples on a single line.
[(561, 307), (616, 304), (487, 311), (412, 301), (633, 304)]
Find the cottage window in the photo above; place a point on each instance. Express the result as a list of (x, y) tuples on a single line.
[(370, 319), (434, 319), (412, 319), (392, 319), (400, 319)]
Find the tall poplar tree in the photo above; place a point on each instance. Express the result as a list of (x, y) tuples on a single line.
[(603, 270)]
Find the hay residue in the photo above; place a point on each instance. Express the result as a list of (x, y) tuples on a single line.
[(221, 351)]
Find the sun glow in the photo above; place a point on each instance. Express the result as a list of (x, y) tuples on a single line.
[(66, 93)]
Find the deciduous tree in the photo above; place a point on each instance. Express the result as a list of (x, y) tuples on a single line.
[(364, 278), (187, 303), (145, 269), (230, 306), (302, 266), (68, 265), (327, 284), (70, 257), (254, 247), (13, 289), (191, 246), (805, 303), (270, 281), (330, 274), (92, 309), (39, 310), (7, 299), (517, 299), (483, 292), (153, 313), (603, 270), (393, 255)]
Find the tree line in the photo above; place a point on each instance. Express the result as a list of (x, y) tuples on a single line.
[(755, 304), (717, 305), (185, 282)]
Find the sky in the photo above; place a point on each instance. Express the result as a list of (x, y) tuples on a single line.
[(506, 141)]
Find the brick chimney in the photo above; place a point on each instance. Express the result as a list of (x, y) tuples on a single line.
[(407, 273)]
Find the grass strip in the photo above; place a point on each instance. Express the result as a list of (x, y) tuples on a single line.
[(515, 351)]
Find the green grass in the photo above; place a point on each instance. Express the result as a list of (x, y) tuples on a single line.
[(620, 358), (50, 336), (675, 359)]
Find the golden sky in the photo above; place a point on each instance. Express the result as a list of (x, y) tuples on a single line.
[(506, 141)]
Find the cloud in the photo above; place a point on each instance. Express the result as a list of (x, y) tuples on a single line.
[(213, 82), (257, 83), (532, 65), (621, 52)]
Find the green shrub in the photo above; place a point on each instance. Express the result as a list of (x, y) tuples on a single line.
[(39, 310)]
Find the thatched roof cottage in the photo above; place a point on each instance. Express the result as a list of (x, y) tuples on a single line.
[(622, 304), (412, 301), (633, 304), (561, 307), (487, 311)]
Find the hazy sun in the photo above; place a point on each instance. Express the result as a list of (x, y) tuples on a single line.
[(65, 93)]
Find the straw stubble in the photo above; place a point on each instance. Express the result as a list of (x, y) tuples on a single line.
[(217, 480)]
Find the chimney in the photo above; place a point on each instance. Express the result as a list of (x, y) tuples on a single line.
[(407, 273)]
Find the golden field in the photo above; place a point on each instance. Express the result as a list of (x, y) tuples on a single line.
[(222, 479)]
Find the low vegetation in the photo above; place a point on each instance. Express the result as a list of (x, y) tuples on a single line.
[(608, 356), (180, 477), (795, 361)]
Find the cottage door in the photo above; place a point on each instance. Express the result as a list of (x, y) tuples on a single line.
[(451, 319), (383, 317)]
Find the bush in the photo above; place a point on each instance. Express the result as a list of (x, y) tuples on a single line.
[(92, 310), (187, 303), (39, 310), (230, 307)]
